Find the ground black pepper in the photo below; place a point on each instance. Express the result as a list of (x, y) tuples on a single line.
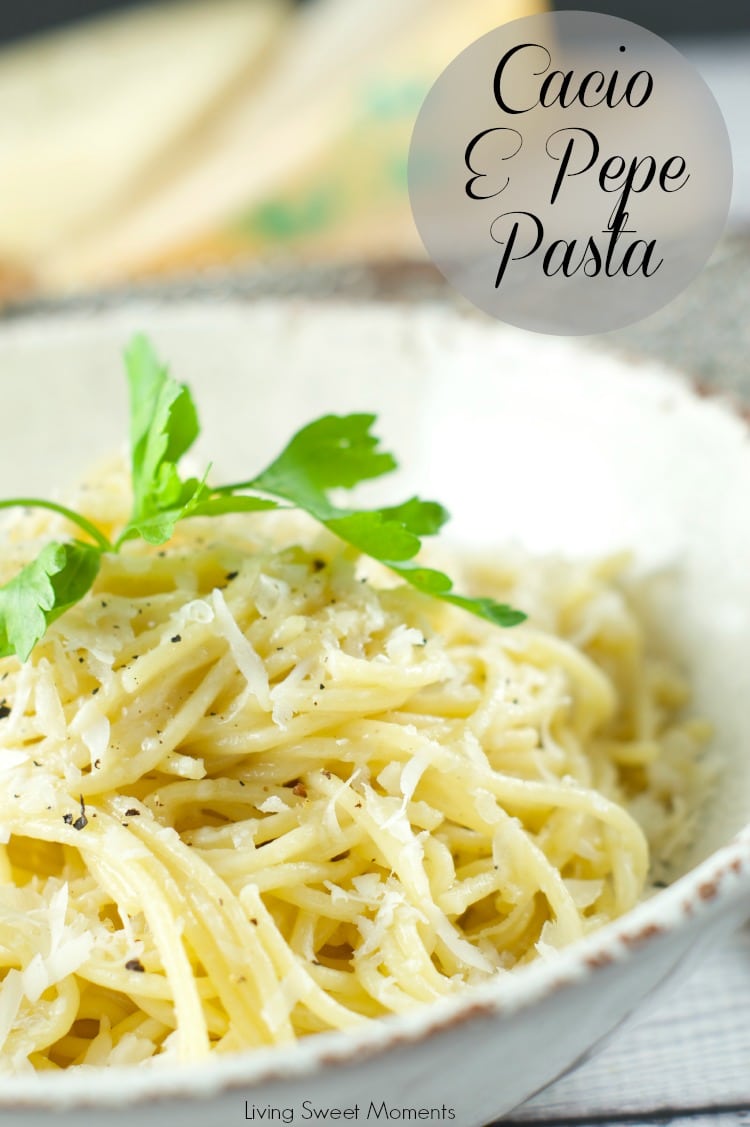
[(82, 820)]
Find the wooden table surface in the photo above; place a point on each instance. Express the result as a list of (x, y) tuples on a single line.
[(685, 1062)]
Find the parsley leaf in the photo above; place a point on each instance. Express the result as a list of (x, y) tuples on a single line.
[(60, 575), (340, 451), (163, 427), (335, 450), (440, 586)]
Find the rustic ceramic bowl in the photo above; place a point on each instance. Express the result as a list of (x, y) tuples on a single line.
[(524, 438)]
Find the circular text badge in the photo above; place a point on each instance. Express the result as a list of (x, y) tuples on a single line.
[(570, 172)]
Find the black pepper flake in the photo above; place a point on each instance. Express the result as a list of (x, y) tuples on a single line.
[(318, 565), (230, 575), (253, 921), (80, 661), (82, 820), (132, 813), (135, 964), (321, 685), (95, 691), (68, 819), (103, 604), (4, 710), (240, 782), (176, 638), (97, 763), (36, 762)]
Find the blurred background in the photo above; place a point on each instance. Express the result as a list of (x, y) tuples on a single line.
[(143, 141)]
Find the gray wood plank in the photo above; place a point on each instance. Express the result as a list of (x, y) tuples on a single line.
[(692, 1053), (736, 1118)]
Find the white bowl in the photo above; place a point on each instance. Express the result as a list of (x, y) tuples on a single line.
[(524, 438)]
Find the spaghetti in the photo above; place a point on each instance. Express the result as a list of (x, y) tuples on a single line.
[(249, 793)]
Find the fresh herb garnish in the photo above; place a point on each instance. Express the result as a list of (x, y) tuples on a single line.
[(334, 452), (60, 575)]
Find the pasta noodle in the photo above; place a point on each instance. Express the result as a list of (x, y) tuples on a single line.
[(249, 793)]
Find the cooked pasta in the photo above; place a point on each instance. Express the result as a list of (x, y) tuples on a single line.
[(250, 793)]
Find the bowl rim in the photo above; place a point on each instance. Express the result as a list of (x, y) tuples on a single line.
[(709, 888)]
